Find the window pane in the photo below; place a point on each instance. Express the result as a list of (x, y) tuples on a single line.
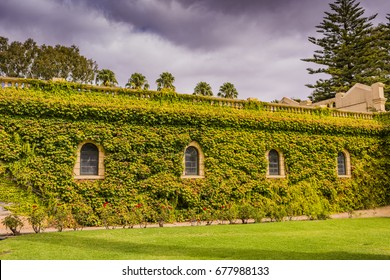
[(273, 159), (89, 160), (191, 161), (341, 164)]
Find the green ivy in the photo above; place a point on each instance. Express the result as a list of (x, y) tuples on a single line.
[(144, 142)]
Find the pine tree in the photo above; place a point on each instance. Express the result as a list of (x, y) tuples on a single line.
[(345, 50)]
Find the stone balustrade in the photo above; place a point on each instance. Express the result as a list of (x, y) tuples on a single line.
[(213, 101)]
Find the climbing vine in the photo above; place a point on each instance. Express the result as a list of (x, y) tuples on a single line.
[(144, 142)]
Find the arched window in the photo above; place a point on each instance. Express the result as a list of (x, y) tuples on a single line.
[(89, 159), (275, 168), (341, 164), (90, 162), (273, 162), (191, 161)]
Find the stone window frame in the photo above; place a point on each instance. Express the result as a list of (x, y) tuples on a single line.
[(200, 162), (76, 169), (282, 169), (347, 163)]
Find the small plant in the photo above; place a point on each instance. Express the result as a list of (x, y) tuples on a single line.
[(232, 213), (245, 212), (193, 217), (82, 214), (208, 216), (109, 216), (144, 214), (164, 213), (258, 214), (61, 217), (14, 223), (36, 218)]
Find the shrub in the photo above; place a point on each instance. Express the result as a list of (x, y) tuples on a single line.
[(14, 223), (164, 213), (108, 216), (231, 213), (61, 217), (37, 217), (208, 215), (83, 215), (245, 212)]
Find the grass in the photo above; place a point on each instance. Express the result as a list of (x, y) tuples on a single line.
[(348, 239)]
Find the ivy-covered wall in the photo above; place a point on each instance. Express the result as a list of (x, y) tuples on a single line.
[(144, 142)]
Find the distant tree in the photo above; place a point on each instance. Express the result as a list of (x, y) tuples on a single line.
[(203, 88), (16, 58), (383, 43), (106, 77), (165, 81), (227, 90), (137, 81), (346, 50), (84, 70), (51, 62), (27, 60)]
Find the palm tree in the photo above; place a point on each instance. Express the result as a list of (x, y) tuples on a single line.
[(106, 78), (203, 88), (227, 90), (137, 81), (165, 81)]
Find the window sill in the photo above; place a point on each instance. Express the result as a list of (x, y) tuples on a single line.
[(89, 177), (276, 176), (192, 177), (344, 176)]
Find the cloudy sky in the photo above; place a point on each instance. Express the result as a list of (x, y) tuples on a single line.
[(254, 44)]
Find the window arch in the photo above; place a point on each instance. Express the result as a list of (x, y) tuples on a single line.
[(343, 164), (275, 168), (193, 161), (89, 163)]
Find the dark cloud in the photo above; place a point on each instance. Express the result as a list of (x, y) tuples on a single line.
[(256, 44), (209, 24)]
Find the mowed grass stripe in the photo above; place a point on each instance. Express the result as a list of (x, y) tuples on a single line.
[(332, 239)]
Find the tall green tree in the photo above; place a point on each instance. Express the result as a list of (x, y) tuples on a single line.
[(63, 62), (165, 81), (137, 81), (106, 77), (228, 90), (27, 60), (381, 48), (203, 88), (345, 50), (16, 58)]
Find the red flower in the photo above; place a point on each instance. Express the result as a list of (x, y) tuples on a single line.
[(105, 204), (204, 208), (34, 206)]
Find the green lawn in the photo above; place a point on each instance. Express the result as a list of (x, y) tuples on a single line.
[(332, 239)]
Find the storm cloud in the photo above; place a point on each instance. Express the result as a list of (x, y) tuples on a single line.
[(256, 45)]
